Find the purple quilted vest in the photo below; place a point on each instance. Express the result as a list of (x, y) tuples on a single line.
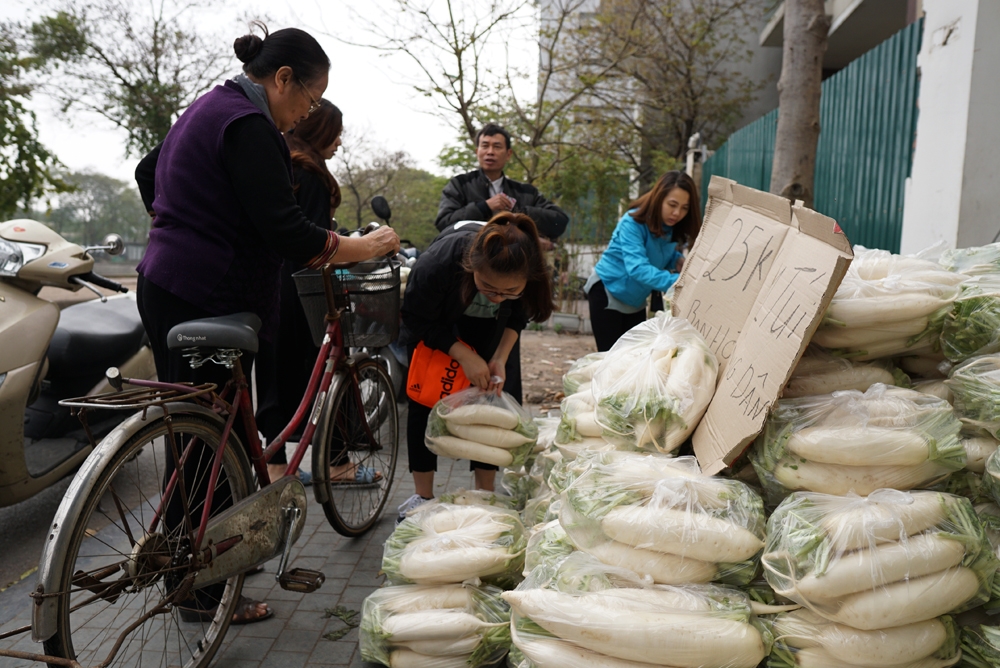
[(202, 246)]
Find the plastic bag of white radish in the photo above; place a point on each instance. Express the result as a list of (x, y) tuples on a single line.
[(888, 305), (581, 373), (804, 639), (858, 442), (446, 543), (579, 612), (660, 517), (481, 426), (883, 561), (654, 385), (437, 626)]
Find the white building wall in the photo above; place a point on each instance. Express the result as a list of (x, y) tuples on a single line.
[(934, 191), (979, 213)]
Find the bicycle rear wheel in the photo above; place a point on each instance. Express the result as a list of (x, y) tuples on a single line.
[(363, 432), (120, 574)]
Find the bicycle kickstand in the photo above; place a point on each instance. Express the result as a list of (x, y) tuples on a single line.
[(302, 580)]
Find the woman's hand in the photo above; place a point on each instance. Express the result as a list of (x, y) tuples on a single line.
[(383, 241), (473, 366), (497, 370)]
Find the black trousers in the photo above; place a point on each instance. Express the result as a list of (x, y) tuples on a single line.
[(480, 333), (161, 310), (284, 366), (609, 324)]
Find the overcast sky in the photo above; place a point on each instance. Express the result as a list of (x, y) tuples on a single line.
[(373, 92)]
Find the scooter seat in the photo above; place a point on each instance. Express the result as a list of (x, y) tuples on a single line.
[(225, 331), (93, 336)]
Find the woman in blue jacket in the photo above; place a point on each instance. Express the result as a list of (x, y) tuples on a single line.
[(644, 255)]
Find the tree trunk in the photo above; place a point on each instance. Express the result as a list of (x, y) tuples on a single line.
[(806, 28)]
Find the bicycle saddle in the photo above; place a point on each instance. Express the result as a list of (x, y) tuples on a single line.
[(238, 330)]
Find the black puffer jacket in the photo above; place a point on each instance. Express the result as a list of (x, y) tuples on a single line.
[(432, 304), (464, 198)]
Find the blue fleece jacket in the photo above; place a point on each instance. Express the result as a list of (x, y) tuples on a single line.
[(636, 262)]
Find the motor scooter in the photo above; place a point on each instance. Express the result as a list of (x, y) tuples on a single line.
[(47, 354)]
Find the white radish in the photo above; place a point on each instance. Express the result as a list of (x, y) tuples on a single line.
[(449, 624), (460, 646), (857, 377), (482, 414), (901, 644), (663, 568), (688, 370), (908, 601), (890, 347), (654, 599), (850, 337), (459, 448), (867, 569), (796, 474), (404, 658), (463, 518), (977, 450), (669, 639), (694, 535), (884, 517), (586, 425), (857, 312), (852, 444), (489, 435), (410, 598), (574, 404), (935, 388), (553, 653), (434, 562), (815, 657)]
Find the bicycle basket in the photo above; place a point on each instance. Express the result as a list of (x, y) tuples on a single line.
[(372, 288)]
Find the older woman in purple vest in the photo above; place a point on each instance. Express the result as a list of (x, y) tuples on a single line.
[(219, 188)]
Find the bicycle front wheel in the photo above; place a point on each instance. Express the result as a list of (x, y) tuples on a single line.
[(358, 450), (124, 577)]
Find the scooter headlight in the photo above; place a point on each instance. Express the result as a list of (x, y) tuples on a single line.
[(11, 258)]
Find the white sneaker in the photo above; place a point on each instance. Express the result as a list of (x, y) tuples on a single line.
[(408, 505)]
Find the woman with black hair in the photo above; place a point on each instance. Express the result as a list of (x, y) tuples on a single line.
[(219, 188), (644, 255), (469, 296), (284, 366)]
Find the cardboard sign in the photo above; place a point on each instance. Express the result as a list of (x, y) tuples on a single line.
[(758, 280)]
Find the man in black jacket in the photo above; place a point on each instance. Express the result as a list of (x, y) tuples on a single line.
[(480, 194)]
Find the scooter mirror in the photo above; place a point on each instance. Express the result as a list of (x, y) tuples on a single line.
[(113, 244), (381, 208)]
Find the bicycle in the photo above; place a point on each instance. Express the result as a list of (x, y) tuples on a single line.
[(161, 574)]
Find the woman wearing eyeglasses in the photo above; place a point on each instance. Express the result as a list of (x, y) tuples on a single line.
[(469, 295), (219, 188)]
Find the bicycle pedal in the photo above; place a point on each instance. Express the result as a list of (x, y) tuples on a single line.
[(301, 580)]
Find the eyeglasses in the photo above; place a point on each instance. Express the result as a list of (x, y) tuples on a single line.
[(313, 102), (501, 295)]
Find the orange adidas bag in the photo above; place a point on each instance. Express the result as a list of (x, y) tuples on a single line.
[(433, 375)]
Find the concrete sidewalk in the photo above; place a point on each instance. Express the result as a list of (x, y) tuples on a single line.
[(351, 567)]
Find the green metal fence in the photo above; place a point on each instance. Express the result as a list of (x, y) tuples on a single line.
[(868, 118)]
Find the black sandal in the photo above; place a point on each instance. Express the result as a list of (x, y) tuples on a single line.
[(244, 608)]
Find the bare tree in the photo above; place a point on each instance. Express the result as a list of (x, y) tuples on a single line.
[(806, 29), (576, 55), (365, 169), (684, 74), (138, 66), (447, 41)]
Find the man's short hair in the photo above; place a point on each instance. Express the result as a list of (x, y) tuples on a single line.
[(492, 129)]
